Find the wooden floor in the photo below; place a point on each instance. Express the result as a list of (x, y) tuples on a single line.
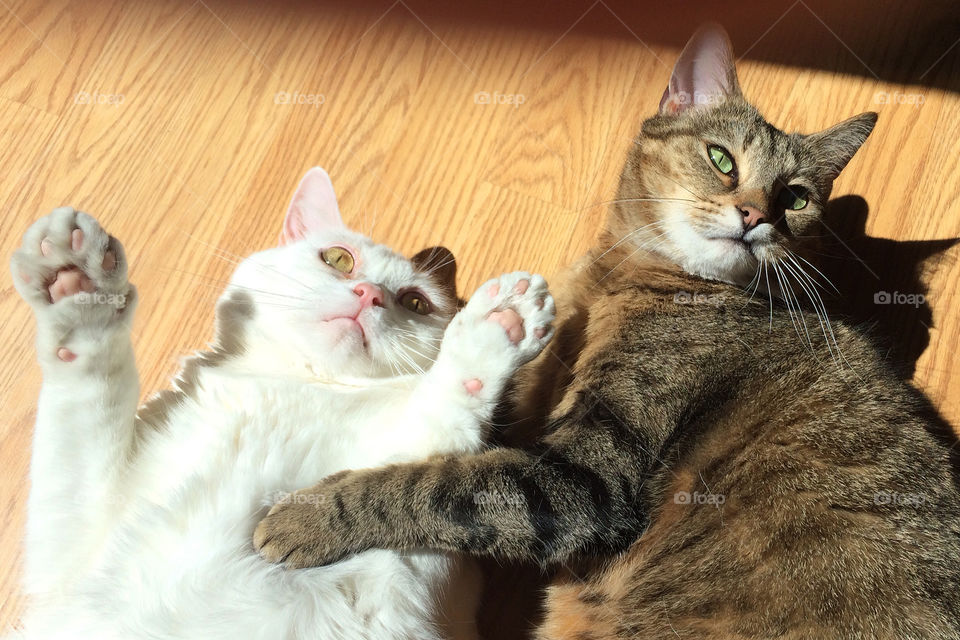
[(184, 126)]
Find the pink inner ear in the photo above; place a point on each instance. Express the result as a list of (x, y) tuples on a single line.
[(313, 207), (704, 73)]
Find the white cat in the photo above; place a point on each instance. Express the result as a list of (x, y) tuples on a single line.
[(140, 525)]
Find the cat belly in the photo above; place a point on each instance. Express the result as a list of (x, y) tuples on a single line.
[(180, 563)]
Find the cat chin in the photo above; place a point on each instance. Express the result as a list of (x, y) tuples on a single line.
[(347, 330), (721, 259)]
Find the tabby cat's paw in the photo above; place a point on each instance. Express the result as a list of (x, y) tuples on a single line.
[(507, 322), (306, 528), (73, 274)]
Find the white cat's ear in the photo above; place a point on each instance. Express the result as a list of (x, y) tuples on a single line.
[(313, 207), (704, 74)]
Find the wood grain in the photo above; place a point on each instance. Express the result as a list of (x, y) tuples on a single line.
[(176, 124)]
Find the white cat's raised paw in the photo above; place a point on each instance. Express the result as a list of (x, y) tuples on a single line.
[(521, 303), (73, 274), (506, 323)]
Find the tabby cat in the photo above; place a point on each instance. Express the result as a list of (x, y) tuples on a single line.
[(733, 463)]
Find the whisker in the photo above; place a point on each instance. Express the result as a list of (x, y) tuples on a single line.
[(223, 254), (793, 256), (786, 299), (624, 238), (756, 277), (769, 295), (639, 248), (627, 200), (226, 283), (799, 307), (805, 282)]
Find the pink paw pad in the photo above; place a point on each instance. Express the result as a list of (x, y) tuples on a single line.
[(473, 387), (66, 355), (69, 282), (511, 322), (522, 287)]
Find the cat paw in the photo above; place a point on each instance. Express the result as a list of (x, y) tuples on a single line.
[(73, 274), (505, 324)]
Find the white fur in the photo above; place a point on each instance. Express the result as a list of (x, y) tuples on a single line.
[(135, 532), (709, 250)]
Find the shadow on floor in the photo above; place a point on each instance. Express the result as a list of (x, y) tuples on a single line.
[(882, 282), (904, 43)]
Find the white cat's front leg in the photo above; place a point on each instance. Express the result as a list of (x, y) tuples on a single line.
[(506, 323), (74, 276)]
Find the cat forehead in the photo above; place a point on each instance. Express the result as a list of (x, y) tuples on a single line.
[(761, 150), (743, 129)]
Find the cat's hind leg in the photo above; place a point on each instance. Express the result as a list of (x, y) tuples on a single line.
[(74, 276)]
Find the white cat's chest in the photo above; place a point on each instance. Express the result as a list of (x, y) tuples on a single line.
[(253, 437), (184, 525)]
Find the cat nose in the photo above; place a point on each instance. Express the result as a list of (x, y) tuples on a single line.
[(752, 217), (370, 295)]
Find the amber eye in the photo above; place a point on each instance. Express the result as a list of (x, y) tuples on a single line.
[(416, 302), (338, 258)]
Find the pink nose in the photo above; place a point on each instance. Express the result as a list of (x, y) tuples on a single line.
[(752, 217), (370, 295)]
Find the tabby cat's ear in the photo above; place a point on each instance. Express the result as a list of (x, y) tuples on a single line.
[(313, 207), (834, 147), (704, 74)]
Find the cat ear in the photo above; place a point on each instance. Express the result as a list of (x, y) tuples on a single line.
[(834, 147), (313, 207), (441, 265), (704, 74)]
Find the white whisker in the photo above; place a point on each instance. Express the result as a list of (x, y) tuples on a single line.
[(624, 238), (769, 295)]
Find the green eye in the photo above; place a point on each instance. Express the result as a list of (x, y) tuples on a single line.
[(338, 258), (721, 159), (793, 197), (416, 302)]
